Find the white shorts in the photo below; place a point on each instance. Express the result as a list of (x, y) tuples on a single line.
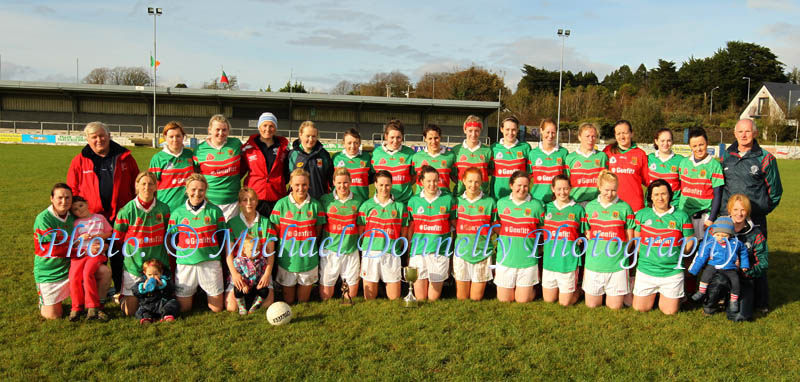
[(670, 287), (699, 226), (331, 266), (566, 282), (432, 267), (52, 293), (290, 279), (229, 210), (208, 275), (467, 272), (129, 281), (505, 277), (376, 267), (610, 284)]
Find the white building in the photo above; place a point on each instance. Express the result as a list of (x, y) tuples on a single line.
[(772, 102)]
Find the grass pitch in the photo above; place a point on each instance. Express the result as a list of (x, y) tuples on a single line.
[(380, 340)]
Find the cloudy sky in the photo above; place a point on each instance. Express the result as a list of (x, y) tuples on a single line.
[(322, 42)]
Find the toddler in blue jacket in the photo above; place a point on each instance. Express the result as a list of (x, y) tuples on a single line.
[(721, 255)]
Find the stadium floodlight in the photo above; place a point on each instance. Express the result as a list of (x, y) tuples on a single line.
[(563, 34), (711, 106), (154, 12), (748, 88)]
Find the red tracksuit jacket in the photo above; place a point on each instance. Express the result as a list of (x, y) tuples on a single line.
[(83, 181), (269, 186), (631, 169)]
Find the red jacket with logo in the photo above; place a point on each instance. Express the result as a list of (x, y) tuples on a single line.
[(83, 181), (630, 167), (270, 186)]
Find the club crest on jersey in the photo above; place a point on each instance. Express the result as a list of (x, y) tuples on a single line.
[(653, 166), (612, 160), (362, 163), (595, 215), (481, 209), (648, 222), (340, 164), (507, 211), (559, 160), (499, 156), (578, 164), (319, 162), (159, 217), (444, 163), (703, 173), (442, 209), (597, 162), (527, 212), (571, 217), (753, 170), (207, 220), (672, 224), (519, 154), (300, 164), (539, 161), (674, 169), (210, 157), (633, 160), (482, 157), (139, 221), (420, 210), (394, 213), (289, 214), (310, 213), (463, 158), (402, 160), (615, 214), (461, 209), (230, 151)]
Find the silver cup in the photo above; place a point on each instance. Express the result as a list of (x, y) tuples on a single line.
[(410, 275)]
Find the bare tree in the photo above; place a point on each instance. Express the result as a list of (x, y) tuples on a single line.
[(396, 83), (343, 87), (98, 76), (121, 75), (233, 84)]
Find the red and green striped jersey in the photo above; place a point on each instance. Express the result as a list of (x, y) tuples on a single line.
[(583, 171), (149, 227), (360, 170), (507, 160), (471, 215), (171, 172), (480, 157), (389, 217), (221, 169), (259, 228), (340, 213), (606, 223), (655, 230), (565, 224), (443, 162), (198, 244), (517, 221), (543, 167), (669, 170), (698, 180), (430, 221), (398, 163), (56, 266), (301, 254)]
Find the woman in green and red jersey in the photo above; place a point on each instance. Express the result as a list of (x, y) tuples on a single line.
[(517, 268), (219, 160), (396, 158), (387, 220), (665, 164), (145, 219), (584, 165), (546, 161), (436, 156), (357, 163), (510, 155), (477, 212), (701, 184), (473, 153), (172, 166), (629, 163), (339, 256), (661, 227)]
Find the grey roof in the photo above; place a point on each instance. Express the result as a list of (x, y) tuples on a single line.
[(780, 91), (243, 94)]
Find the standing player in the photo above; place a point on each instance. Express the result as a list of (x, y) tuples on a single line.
[(584, 165), (519, 214), (547, 160), (357, 163), (510, 155), (308, 155), (473, 153), (665, 164), (609, 219), (477, 212), (395, 158), (436, 156), (701, 182), (566, 221), (296, 222), (378, 262), (172, 166), (340, 256), (219, 159), (265, 165), (629, 163), (432, 213), (198, 253)]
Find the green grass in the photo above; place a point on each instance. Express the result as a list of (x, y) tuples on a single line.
[(380, 340)]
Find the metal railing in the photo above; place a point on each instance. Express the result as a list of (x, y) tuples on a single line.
[(69, 127), (447, 140)]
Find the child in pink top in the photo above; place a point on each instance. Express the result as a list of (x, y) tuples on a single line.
[(85, 260)]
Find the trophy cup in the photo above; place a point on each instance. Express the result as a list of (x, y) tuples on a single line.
[(411, 276), (346, 299)]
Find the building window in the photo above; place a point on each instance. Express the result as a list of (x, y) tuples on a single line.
[(763, 106)]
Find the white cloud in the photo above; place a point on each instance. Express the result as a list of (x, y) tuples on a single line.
[(774, 5)]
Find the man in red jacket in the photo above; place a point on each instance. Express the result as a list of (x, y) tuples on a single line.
[(104, 173), (264, 160)]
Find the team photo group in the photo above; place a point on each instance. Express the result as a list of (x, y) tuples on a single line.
[(241, 220)]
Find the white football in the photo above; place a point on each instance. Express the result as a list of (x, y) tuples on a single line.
[(279, 313)]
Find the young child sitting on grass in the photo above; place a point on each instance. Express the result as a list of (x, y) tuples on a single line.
[(721, 255), (254, 283), (155, 294), (86, 260)]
